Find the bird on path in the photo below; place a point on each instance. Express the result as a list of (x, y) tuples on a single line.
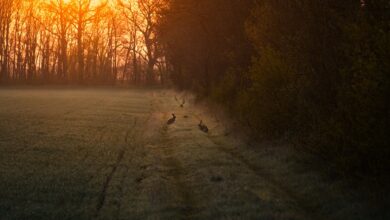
[(182, 104), (172, 120), (203, 127)]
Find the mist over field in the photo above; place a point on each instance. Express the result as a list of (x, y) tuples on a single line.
[(106, 153)]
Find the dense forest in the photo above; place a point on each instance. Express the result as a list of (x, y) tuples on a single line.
[(316, 72)]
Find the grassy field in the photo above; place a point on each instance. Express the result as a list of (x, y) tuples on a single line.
[(72, 153), (57, 148)]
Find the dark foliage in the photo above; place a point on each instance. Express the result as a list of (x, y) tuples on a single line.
[(317, 71)]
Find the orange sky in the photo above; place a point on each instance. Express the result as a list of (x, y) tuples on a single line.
[(94, 2)]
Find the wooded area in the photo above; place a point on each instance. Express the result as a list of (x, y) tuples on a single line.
[(314, 71)]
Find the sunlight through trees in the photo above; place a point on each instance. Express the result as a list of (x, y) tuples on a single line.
[(80, 41)]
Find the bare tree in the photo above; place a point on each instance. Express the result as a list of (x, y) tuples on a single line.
[(62, 10), (144, 15), (6, 11), (77, 41)]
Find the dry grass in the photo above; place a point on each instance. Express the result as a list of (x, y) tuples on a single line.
[(107, 154)]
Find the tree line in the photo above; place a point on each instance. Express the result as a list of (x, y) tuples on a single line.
[(315, 72), (80, 41)]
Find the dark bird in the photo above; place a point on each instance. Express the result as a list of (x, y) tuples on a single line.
[(203, 127), (200, 125), (172, 120), (183, 102)]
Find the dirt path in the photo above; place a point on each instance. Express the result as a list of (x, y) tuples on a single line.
[(185, 173), (108, 154)]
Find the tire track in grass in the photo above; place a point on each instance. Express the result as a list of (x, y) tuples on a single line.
[(121, 188), (132, 145), (124, 175), (277, 187), (121, 154), (299, 203), (130, 142), (171, 174), (177, 172)]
